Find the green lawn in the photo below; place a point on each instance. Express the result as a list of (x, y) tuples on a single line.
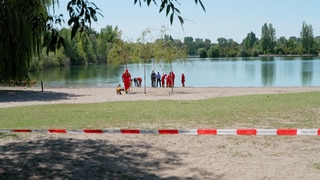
[(297, 110)]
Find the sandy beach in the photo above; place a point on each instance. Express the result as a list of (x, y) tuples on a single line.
[(20, 96), (177, 157)]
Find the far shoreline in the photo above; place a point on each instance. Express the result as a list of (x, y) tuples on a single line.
[(288, 55)]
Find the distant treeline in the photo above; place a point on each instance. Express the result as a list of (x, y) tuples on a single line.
[(94, 47)]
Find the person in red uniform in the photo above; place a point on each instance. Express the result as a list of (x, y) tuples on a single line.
[(172, 76), (139, 79), (163, 78), (169, 80), (183, 79), (126, 78)]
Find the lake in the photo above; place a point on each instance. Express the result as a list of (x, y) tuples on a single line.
[(213, 72)]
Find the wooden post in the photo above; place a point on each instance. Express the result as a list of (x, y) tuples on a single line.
[(41, 86)]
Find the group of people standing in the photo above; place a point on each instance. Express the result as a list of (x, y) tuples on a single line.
[(157, 80), (165, 80)]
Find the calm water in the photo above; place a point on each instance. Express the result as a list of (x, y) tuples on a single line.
[(218, 72)]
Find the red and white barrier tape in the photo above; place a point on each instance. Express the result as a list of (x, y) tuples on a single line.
[(252, 132)]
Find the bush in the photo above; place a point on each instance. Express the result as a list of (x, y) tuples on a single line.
[(202, 53)]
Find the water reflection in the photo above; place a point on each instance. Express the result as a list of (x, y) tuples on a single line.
[(306, 72), (268, 73), (219, 72), (251, 68)]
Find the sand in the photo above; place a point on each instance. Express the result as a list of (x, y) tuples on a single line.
[(10, 97), (116, 156)]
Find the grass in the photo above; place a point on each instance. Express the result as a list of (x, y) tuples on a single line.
[(316, 166), (294, 110)]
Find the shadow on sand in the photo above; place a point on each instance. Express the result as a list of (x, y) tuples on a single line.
[(25, 96), (67, 158)]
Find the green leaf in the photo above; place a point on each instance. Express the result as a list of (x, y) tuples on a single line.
[(177, 10), (168, 10), (162, 7), (181, 20), (204, 9), (75, 29)]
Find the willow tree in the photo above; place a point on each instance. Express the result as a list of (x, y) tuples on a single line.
[(26, 25), (22, 25)]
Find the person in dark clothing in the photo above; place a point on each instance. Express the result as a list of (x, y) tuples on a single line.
[(135, 82), (158, 80), (153, 79)]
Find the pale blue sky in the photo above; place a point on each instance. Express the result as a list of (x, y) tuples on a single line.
[(231, 19)]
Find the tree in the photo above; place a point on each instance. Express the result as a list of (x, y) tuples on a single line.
[(90, 55), (223, 42), (249, 41), (268, 38), (165, 51), (292, 45), (281, 46), (106, 38), (122, 52), (307, 38), (81, 13), (202, 52), (23, 25), (200, 43), (207, 44), (227, 47), (214, 51), (26, 26), (191, 47), (247, 45)]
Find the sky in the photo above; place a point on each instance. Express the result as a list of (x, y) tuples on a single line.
[(230, 19)]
